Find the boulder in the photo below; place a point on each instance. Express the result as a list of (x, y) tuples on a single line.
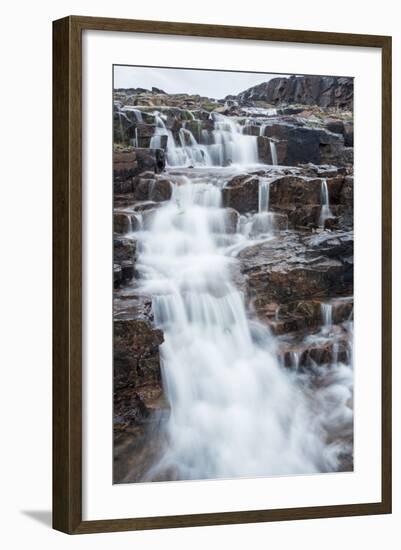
[(242, 193)]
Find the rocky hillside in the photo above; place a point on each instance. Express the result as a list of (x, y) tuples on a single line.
[(323, 91)]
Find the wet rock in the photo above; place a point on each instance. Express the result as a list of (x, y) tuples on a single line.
[(347, 192), (123, 187), (127, 270), (124, 249), (298, 267), (136, 377), (320, 352), (251, 130), (117, 275), (334, 187), (136, 353), (141, 134), (150, 159), (349, 134), (241, 193), (293, 190), (125, 164), (124, 222), (160, 190), (231, 219), (307, 145)]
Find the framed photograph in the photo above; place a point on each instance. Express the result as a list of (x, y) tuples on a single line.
[(222, 275)]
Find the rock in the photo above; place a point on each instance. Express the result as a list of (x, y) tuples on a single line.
[(136, 371), (264, 150), (150, 159), (297, 267), (142, 187), (160, 190), (324, 352), (124, 249), (325, 91), (334, 187), (117, 275), (125, 164), (349, 134), (127, 270), (123, 187), (142, 134), (123, 222), (295, 191), (306, 145), (231, 218), (335, 126), (251, 130), (241, 193)]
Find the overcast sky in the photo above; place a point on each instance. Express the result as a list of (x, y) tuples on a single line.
[(216, 84)]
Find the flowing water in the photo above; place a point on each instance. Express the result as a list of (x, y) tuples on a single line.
[(325, 211), (234, 410)]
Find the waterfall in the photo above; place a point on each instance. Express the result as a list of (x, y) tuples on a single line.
[(137, 113), (234, 410), (231, 145), (224, 145), (136, 140), (264, 188), (325, 212), (295, 360), (327, 315), (273, 151)]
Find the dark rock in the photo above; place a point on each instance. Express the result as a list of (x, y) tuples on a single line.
[(160, 190), (150, 159), (117, 275), (121, 223), (241, 193), (125, 164), (293, 190), (307, 145), (349, 134), (231, 218), (137, 377), (347, 192), (298, 267), (124, 249), (325, 91), (123, 187), (127, 270)]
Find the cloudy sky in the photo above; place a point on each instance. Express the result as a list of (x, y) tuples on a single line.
[(216, 84)]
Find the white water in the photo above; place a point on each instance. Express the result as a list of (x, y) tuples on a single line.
[(273, 152), (224, 145), (264, 191), (327, 315), (234, 410), (325, 212)]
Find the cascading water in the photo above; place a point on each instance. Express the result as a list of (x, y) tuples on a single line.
[(264, 190), (325, 212), (224, 145), (327, 315), (234, 411), (273, 152)]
